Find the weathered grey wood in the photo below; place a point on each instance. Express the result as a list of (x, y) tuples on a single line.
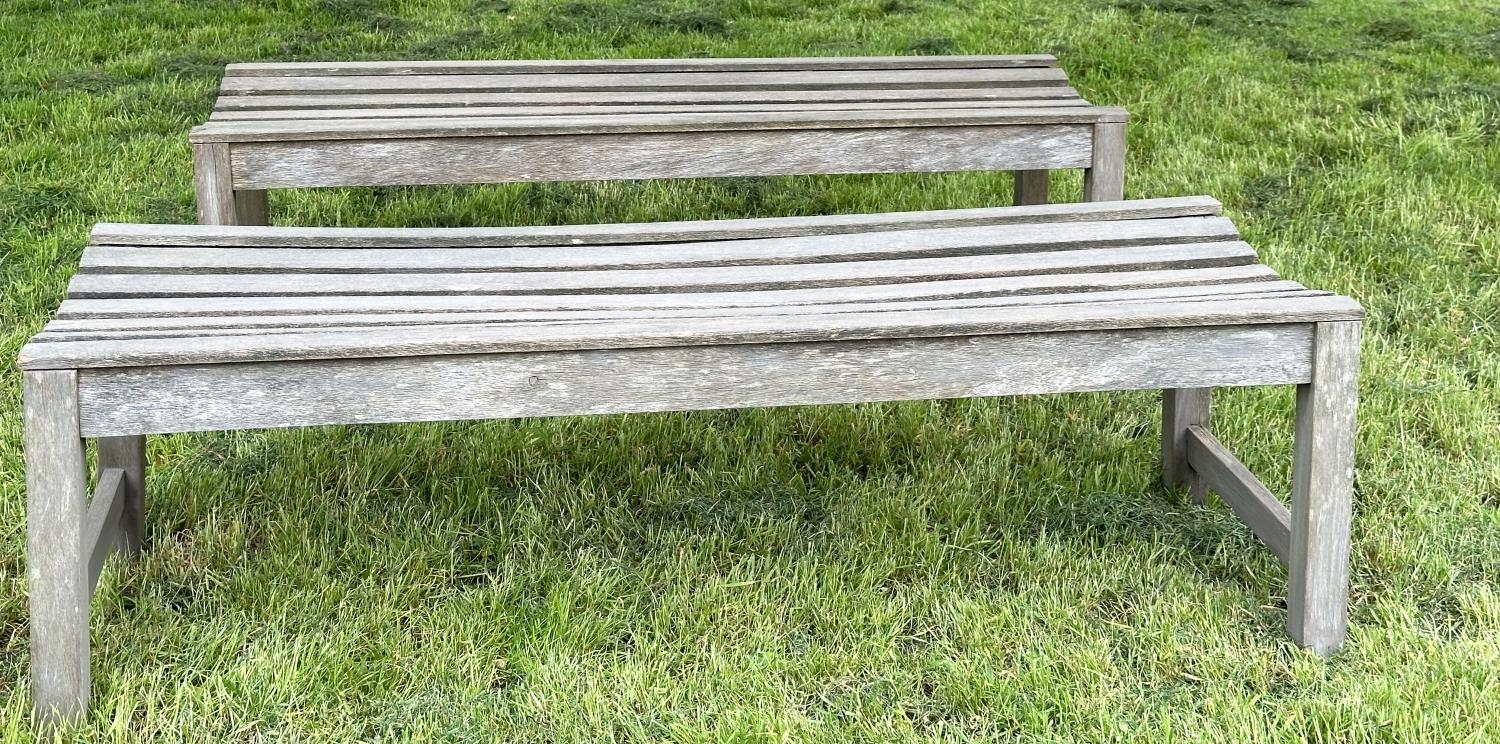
[(198, 327), (1181, 409), (646, 81), (109, 233), (233, 396), (907, 290), (1323, 490), (213, 182), (1241, 490), (557, 66), (56, 561), (277, 130), (892, 245), (698, 278), (396, 112), (680, 99), (1031, 187), (453, 160), (511, 338), (128, 455), (1105, 178), (208, 324), (102, 533), (251, 207)]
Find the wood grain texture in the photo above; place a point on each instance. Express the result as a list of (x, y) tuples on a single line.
[(1323, 490), (1181, 409), (213, 184), (251, 207), (102, 535), (1031, 187), (268, 294), (57, 561), (1229, 277), (890, 245), (645, 81), (508, 66), (513, 338), (257, 395), (677, 100), (1105, 178), (456, 160), (412, 127), (651, 280), (1255, 505), (190, 325), (128, 455), (114, 233)]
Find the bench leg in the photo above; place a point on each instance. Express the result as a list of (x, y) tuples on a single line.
[(218, 201), (1181, 408), (1105, 178), (57, 568), (129, 455), (251, 207), (1323, 490), (1031, 187)]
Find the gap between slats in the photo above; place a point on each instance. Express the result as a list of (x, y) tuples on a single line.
[(787, 276), (1019, 286), (442, 340), (286, 116), (62, 330)]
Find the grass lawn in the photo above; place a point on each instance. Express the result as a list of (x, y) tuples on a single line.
[(973, 570)]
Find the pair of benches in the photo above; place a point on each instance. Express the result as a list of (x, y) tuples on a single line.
[(232, 325)]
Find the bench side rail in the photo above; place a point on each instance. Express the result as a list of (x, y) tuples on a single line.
[(209, 397)]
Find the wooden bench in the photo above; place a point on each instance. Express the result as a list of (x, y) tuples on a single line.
[(289, 125), (171, 328)]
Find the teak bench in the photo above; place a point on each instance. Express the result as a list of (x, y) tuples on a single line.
[(289, 125), (197, 328)]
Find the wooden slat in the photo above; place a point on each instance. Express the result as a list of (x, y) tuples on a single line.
[(1187, 255), (354, 324), (98, 328), (741, 64), (687, 99), (428, 112), (468, 339), (613, 157), (1267, 517), (918, 290), (413, 126), (239, 396), (646, 81), (102, 533), (109, 233), (920, 243)]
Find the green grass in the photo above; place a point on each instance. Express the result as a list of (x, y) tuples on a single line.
[(932, 571)]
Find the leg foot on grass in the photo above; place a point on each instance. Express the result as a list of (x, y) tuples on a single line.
[(1323, 491)]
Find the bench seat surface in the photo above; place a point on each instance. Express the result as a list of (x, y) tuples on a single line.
[(371, 100), (150, 295)]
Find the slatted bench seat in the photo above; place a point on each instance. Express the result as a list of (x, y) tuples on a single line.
[(291, 125), (193, 328)]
